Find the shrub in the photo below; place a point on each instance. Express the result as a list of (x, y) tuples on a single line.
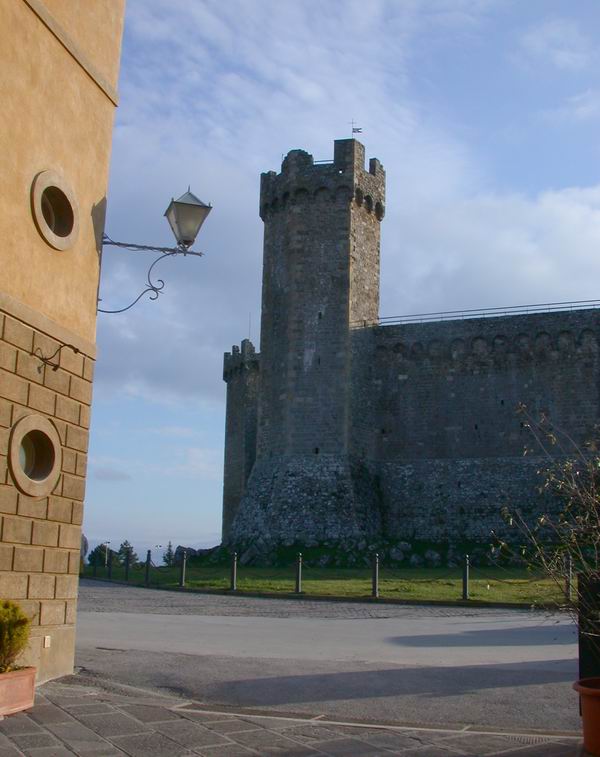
[(566, 539), (14, 634)]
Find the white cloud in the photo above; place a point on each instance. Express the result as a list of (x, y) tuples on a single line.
[(105, 468), (110, 474), (558, 42), (180, 432), (495, 250), (199, 462), (579, 108), (190, 461)]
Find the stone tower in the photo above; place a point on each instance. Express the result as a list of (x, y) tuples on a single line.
[(320, 278), (240, 372)]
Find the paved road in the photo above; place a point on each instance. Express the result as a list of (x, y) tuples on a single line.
[(414, 664)]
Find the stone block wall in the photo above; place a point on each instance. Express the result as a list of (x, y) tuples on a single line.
[(241, 372), (40, 537), (307, 498), (451, 389), (406, 431), (455, 501), (320, 271), (435, 414)]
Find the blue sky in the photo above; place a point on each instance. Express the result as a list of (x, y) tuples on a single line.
[(485, 114)]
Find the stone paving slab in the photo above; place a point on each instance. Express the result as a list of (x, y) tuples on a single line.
[(78, 715)]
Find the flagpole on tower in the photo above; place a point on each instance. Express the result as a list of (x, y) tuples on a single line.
[(355, 129)]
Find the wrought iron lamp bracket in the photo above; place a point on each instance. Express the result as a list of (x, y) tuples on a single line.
[(153, 288)]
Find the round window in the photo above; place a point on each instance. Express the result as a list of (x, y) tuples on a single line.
[(35, 455), (57, 211), (54, 210)]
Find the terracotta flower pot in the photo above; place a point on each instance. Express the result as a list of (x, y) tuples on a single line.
[(17, 690), (589, 691)]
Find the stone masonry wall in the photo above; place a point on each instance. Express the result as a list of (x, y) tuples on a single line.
[(241, 372), (40, 537), (451, 389), (441, 402), (308, 499), (406, 431), (320, 270)]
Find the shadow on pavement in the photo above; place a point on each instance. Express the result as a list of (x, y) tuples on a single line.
[(504, 637), (431, 683), (516, 695)]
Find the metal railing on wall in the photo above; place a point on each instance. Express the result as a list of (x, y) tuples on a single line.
[(493, 312)]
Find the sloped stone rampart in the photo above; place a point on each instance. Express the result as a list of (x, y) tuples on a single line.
[(308, 499)]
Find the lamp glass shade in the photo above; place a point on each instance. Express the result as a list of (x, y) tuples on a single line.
[(185, 216)]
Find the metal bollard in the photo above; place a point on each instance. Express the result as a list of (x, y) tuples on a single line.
[(233, 583), (375, 578), (182, 570), (568, 577), (148, 561), (465, 581), (109, 563), (299, 573), (127, 561)]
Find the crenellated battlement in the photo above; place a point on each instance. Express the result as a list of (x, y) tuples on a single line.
[(566, 345), (523, 338), (244, 357), (341, 181)]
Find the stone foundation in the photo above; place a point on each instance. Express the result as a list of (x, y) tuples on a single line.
[(307, 499)]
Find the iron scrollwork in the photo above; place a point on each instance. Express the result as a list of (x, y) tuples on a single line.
[(49, 359), (153, 288)]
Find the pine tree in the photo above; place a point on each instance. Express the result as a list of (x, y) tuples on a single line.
[(169, 556), (124, 550), (98, 556)]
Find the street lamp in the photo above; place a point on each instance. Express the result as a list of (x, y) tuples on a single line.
[(105, 545), (185, 215)]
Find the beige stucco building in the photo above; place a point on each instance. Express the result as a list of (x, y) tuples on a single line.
[(59, 61)]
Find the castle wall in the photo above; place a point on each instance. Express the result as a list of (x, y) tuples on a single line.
[(307, 499), (445, 428), (241, 372), (458, 500), (406, 431)]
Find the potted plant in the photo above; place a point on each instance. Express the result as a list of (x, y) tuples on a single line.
[(564, 543), (17, 684)]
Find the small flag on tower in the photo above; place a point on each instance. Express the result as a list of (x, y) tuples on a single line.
[(355, 129)]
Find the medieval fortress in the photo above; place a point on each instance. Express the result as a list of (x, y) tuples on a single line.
[(342, 428)]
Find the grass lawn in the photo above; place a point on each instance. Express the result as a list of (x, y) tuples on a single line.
[(486, 584)]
